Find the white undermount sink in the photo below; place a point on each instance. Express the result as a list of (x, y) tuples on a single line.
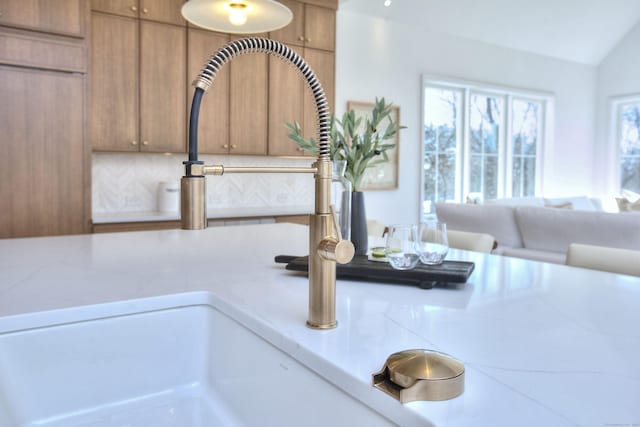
[(183, 366)]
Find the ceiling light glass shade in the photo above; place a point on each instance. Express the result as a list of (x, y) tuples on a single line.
[(237, 16)]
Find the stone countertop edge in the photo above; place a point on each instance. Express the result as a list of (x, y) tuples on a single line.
[(213, 214)]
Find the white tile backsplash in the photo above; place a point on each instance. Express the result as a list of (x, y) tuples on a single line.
[(128, 182)]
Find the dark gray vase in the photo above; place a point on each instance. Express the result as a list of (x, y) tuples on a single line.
[(359, 223)]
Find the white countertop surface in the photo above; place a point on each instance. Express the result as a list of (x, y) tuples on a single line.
[(543, 344)]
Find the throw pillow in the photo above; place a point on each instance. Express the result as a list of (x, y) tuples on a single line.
[(632, 196), (565, 205), (625, 205)]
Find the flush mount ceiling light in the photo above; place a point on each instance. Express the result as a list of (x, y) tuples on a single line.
[(387, 3), (237, 16)]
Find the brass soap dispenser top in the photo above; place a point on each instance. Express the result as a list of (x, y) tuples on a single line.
[(411, 375)]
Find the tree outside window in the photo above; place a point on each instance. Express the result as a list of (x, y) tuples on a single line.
[(629, 145), (481, 142)]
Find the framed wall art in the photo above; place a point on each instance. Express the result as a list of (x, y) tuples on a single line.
[(383, 176)]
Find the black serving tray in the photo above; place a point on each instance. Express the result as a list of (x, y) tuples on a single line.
[(360, 268)]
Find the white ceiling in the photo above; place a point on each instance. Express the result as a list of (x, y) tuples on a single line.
[(583, 31)]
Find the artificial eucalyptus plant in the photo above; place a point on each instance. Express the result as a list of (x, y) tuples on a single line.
[(362, 146)]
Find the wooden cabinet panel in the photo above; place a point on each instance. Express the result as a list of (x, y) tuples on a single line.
[(43, 158), (162, 10), (248, 104), (138, 90), (286, 95), (114, 83), (312, 26), (320, 28), (163, 72), (119, 7), (323, 64), (29, 49), (167, 11), (55, 16), (293, 33), (213, 125)]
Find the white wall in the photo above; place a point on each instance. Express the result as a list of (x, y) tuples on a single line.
[(618, 75), (376, 57)]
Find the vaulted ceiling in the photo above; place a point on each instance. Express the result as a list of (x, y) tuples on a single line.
[(583, 31)]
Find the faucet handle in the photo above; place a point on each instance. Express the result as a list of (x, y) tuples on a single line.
[(340, 251), (335, 248)]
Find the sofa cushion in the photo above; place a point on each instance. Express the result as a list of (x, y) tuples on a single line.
[(579, 203), (517, 201), (535, 255), (554, 230), (496, 220)]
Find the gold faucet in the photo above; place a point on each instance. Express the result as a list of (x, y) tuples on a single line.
[(326, 246)]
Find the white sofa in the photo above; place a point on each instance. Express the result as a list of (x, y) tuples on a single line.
[(542, 233)]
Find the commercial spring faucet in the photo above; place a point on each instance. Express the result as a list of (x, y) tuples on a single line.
[(326, 246)]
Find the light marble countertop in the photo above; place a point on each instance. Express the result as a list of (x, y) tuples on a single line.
[(119, 217), (543, 344)]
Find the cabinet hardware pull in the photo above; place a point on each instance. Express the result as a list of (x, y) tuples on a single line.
[(308, 40), (145, 142), (234, 146), (145, 10), (134, 142), (301, 38), (133, 8), (225, 146)]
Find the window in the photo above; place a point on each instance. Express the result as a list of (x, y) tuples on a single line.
[(628, 144), (480, 142)]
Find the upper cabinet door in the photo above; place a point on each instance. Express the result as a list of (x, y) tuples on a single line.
[(312, 26), (294, 32), (213, 125), (248, 104), (162, 11), (163, 75), (167, 11), (320, 27), (64, 17), (114, 83), (286, 94), (119, 7), (324, 65)]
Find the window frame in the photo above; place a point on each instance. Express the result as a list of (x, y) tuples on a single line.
[(615, 131), (505, 150)]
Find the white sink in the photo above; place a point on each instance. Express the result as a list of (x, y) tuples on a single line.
[(183, 366)]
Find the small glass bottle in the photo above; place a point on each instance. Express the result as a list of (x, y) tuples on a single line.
[(341, 197)]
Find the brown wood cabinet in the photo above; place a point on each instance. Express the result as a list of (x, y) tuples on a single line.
[(323, 64), (114, 83), (312, 35), (312, 26), (167, 11), (248, 106), (43, 162), (286, 105), (66, 17), (138, 80), (291, 100), (163, 70), (213, 128)]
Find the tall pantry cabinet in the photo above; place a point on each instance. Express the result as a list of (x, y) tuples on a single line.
[(45, 163)]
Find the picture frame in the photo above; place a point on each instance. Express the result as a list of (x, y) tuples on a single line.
[(383, 176)]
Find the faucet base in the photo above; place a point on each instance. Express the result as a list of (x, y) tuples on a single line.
[(323, 326)]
